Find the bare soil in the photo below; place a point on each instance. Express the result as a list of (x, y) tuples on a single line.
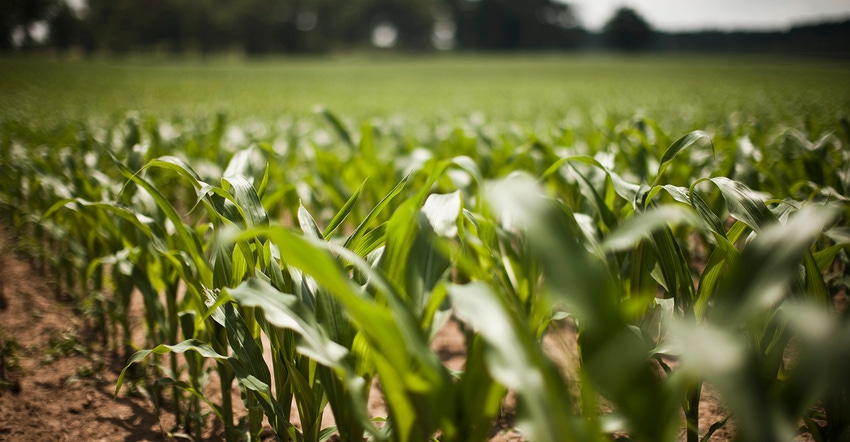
[(57, 386)]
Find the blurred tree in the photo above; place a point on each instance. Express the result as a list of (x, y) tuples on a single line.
[(628, 31), (254, 23), (355, 22), (253, 26), (136, 24), (18, 16), (199, 27), (65, 28), (263, 26), (508, 24)]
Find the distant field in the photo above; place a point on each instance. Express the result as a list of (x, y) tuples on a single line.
[(682, 92)]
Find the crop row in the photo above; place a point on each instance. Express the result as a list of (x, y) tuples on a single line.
[(680, 261)]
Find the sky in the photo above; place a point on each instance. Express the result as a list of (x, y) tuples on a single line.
[(685, 15)]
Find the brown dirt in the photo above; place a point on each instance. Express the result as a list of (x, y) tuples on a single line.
[(60, 388)]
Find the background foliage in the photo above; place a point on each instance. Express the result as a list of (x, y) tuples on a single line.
[(320, 26)]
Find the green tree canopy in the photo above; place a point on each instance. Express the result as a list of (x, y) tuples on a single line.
[(508, 24), (628, 31)]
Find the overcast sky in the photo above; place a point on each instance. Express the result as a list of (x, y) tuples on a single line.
[(680, 15)]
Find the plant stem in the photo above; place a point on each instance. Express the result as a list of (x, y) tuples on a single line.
[(692, 412)]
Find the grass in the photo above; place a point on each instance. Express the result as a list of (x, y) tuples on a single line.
[(522, 88)]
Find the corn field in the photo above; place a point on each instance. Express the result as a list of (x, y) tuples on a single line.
[(303, 261)]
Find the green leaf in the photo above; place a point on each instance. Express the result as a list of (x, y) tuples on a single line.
[(626, 190), (247, 200), (194, 392), (240, 164), (189, 239), (336, 123), (576, 276), (443, 212), (244, 346), (642, 225), (766, 265), (189, 345), (261, 191), (824, 258), (286, 311), (308, 224), (343, 213), (145, 224), (579, 283), (713, 429), (351, 242), (691, 139), (721, 259), (743, 203), (479, 395), (516, 361), (326, 433), (815, 287), (176, 165)]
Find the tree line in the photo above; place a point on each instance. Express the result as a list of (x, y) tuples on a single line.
[(264, 26), (273, 26)]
